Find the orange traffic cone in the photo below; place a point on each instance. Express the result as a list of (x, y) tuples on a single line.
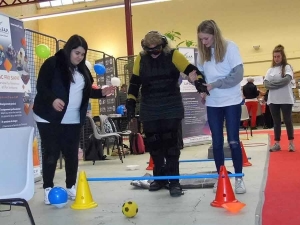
[(151, 164), (234, 207), (224, 190), (245, 158), (84, 199)]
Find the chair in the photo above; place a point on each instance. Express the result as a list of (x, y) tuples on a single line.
[(107, 125), (116, 129), (16, 168), (245, 116), (100, 135)]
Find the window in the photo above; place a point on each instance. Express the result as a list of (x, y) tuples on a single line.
[(56, 3)]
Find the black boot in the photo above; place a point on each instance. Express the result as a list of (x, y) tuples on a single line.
[(157, 185), (175, 190)]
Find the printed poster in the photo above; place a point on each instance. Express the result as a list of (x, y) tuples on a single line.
[(108, 104), (195, 129), (15, 87)]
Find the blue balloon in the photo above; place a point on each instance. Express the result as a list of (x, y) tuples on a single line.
[(58, 196), (99, 69), (121, 109)]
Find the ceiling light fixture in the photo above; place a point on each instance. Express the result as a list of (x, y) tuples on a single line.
[(37, 17)]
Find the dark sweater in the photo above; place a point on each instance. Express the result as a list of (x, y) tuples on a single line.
[(250, 91), (161, 97), (158, 79), (53, 82)]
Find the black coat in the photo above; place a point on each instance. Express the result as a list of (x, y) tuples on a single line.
[(250, 91), (53, 82)]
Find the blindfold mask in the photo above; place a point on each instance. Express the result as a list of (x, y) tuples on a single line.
[(153, 51)]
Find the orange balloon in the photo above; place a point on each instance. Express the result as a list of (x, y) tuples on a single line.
[(234, 207), (23, 42)]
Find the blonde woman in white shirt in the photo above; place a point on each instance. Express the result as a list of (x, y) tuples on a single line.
[(221, 63), (278, 82)]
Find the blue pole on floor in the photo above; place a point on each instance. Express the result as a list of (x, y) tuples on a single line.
[(202, 176), (202, 160)]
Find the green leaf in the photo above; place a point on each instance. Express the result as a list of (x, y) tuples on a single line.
[(180, 43), (190, 43)]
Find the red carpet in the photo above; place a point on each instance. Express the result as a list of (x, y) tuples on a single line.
[(282, 192)]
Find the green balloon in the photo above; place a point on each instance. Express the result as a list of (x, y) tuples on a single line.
[(42, 51)]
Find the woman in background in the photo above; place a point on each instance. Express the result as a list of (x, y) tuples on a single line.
[(250, 92), (280, 96)]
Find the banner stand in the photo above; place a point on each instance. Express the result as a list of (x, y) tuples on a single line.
[(195, 129), (16, 79)]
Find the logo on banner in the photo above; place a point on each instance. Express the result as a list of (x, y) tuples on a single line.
[(189, 57), (189, 54), (186, 86), (4, 30)]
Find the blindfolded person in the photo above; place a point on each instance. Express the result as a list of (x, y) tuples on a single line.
[(156, 70)]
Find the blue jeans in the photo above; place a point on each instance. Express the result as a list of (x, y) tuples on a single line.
[(232, 116)]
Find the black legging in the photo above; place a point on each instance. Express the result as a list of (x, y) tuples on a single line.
[(268, 120), (58, 138), (286, 110)]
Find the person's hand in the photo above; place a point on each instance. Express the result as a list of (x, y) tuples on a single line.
[(200, 86), (192, 76), (106, 91), (130, 108), (203, 95), (58, 104), (208, 86)]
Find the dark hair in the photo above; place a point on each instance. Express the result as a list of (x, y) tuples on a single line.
[(280, 49), (74, 42)]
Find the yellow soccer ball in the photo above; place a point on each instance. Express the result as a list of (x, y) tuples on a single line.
[(130, 209)]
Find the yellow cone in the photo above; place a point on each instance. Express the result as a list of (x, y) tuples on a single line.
[(84, 199)]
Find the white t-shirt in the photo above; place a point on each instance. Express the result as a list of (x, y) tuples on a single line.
[(72, 115), (283, 95), (214, 71)]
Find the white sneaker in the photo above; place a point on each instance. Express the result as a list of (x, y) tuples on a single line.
[(276, 147), (215, 187), (46, 193), (291, 147), (240, 186), (72, 192)]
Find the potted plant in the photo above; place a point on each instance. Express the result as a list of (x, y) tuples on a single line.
[(176, 36)]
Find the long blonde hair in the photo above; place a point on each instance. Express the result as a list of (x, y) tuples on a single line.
[(220, 45), (155, 38)]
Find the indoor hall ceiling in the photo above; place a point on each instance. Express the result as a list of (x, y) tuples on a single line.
[(68, 6)]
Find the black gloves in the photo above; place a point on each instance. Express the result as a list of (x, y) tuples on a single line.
[(130, 107), (200, 87)]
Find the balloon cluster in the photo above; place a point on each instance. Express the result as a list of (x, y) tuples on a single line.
[(43, 52)]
